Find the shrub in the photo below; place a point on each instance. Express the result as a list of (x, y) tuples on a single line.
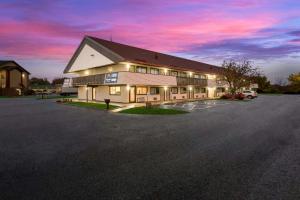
[(29, 92), (239, 96)]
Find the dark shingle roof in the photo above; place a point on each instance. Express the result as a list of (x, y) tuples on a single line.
[(5, 64), (143, 56)]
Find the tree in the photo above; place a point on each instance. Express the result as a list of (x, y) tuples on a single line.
[(263, 82), (58, 81), (238, 74), (294, 79), (39, 81)]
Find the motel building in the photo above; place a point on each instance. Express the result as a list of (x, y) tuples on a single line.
[(126, 74)]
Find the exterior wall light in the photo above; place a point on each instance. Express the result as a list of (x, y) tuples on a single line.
[(165, 88), (166, 71), (86, 72), (191, 73), (23, 75), (110, 69), (128, 87), (127, 67), (190, 88)]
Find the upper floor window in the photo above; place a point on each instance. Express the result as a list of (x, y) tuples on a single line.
[(154, 71), (174, 73), (141, 90), (203, 76), (183, 74), (132, 68), (196, 76), (140, 69)]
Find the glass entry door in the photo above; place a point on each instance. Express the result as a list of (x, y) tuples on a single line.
[(132, 95)]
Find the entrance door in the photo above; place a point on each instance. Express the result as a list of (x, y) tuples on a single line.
[(132, 95)]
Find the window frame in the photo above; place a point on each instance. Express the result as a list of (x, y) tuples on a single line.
[(172, 88), (157, 70), (156, 92), (115, 94), (184, 91), (141, 67), (141, 93), (173, 71)]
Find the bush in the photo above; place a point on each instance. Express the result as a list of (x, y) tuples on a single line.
[(238, 96), (29, 92)]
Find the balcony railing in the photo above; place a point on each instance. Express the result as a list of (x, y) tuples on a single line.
[(182, 81), (97, 79)]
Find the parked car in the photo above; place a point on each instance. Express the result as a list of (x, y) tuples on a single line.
[(249, 94)]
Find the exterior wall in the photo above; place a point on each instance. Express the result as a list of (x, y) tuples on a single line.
[(15, 78), (89, 58), (82, 93), (103, 70), (200, 95), (102, 92), (2, 79)]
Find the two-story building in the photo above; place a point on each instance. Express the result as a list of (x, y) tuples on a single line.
[(122, 73), (13, 78)]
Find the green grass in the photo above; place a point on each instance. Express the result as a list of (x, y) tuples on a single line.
[(152, 111), (100, 106)]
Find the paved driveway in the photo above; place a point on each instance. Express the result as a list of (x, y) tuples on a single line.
[(239, 151)]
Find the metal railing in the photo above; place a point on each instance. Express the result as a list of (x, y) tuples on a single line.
[(97, 79), (181, 81)]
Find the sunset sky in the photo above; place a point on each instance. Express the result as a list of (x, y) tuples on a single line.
[(42, 35)]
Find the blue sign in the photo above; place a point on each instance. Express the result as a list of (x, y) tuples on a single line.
[(111, 77)]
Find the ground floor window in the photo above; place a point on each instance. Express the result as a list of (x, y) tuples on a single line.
[(220, 89), (114, 90), (154, 90), (182, 90), (174, 90), (197, 90), (203, 90), (141, 90)]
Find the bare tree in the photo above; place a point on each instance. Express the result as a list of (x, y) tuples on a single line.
[(238, 74)]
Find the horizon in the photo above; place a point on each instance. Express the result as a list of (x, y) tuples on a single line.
[(43, 35)]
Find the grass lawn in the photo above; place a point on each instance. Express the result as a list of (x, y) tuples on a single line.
[(152, 111), (100, 106)]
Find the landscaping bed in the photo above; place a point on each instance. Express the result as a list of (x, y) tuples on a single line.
[(100, 106)]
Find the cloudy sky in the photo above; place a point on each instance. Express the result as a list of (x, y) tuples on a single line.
[(42, 35)]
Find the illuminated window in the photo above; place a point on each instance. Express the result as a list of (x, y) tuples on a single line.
[(183, 74), (196, 76), (203, 90), (115, 90), (154, 71), (141, 90), (140, 69), (197, 89), (203, 77), (174, 90), (154, 90)]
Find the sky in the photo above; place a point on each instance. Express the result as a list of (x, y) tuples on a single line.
[(43, 35)]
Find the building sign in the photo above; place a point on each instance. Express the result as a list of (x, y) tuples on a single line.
[(111, 77)]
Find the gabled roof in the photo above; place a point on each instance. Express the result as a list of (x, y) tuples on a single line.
[(6, 64), (121, 52)]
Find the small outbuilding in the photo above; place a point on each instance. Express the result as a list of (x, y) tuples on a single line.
[(14, 79)]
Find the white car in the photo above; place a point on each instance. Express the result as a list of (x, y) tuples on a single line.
[(250, 94)]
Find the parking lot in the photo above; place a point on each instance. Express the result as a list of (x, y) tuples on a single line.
[(238, 150), (197, 105)]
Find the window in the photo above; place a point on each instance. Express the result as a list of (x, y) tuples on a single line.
[(197, 89), (154, 71), (154, 90), (203, 90), (220, 90), (132, 68), (2, 79), (183, 74), (141, 90), (174, 73), (196, 76), (174, 90), (182, 90), (203, 77), (140, 69), (114, 90)]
